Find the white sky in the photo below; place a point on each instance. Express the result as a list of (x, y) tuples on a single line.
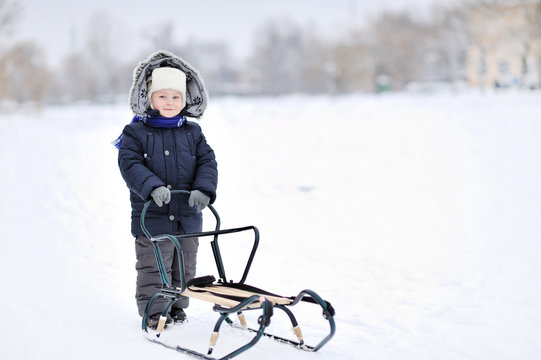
[(60, 26)]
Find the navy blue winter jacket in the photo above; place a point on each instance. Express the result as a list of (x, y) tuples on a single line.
[(178, 158)]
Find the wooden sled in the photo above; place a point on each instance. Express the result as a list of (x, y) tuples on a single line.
[(228, 297)]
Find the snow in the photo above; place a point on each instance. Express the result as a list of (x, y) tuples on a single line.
[(416, 216)]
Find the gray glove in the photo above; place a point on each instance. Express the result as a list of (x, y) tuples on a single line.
[(161, 195), (197, 198)]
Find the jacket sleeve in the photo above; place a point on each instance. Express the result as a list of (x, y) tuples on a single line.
[(206, 175), (131, 159)]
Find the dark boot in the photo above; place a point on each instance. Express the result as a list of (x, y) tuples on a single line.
[(152, 321), (178, 315)]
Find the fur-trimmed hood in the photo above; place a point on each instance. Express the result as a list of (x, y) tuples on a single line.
[(196, 94)]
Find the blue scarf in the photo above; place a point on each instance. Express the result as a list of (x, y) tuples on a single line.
[(156, 121)]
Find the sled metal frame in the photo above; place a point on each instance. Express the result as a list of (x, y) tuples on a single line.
[(255, 300)]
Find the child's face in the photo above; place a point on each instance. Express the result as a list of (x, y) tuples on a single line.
[(167, 101)]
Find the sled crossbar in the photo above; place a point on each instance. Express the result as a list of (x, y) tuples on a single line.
[(228, 297)]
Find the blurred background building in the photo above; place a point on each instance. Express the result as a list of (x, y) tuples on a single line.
[(505, 44), (478, 43)]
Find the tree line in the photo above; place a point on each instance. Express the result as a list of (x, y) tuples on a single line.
[(390, 51)]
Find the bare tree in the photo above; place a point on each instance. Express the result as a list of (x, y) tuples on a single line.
[(98, 52), (399, 45), (354, 64), (24, 75), (288, 59), (92, 73), (449, 43), (75, 80), (272, 67), (317, 70), (27, 77), (9, 13), (213, 59), (161, 36)]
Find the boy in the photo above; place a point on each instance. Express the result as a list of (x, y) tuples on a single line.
[(159, 151)]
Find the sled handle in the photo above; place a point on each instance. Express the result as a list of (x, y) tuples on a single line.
[(213, 243), (173, 192)]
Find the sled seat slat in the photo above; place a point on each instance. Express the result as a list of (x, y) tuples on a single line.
[(212, 294)]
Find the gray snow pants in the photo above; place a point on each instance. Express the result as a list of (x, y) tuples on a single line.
[(148, 276)]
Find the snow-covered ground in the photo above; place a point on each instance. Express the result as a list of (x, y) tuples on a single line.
[(417, 217)]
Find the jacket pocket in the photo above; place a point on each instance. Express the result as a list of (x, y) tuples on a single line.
[(191, 142), (186, 164), (147, 161), (149, 151)]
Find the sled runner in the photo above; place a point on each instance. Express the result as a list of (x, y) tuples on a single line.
[(228, 297)]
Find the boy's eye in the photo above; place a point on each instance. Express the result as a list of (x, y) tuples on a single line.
[(176, 97)]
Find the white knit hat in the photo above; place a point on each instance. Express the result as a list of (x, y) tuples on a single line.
[(167, 78)]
